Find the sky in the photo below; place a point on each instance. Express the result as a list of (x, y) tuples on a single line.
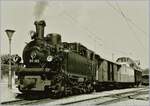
[(110, 28)]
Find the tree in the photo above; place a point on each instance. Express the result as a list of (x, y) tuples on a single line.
[(15, 59)]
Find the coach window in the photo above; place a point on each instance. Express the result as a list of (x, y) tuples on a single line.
[(127, 59), (121, 60), (131, 65), (124, 59), (72, 47), (91, 56)]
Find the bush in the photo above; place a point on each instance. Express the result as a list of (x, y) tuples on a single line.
[(15, 59)]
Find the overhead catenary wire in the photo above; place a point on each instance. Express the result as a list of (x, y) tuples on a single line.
[(119, 11), (90, 33), (83, 27), (127, 17), (130, 20), (130, 27), (96, 40), (75, 22)]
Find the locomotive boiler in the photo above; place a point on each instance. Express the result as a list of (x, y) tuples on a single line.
[(59, 68)]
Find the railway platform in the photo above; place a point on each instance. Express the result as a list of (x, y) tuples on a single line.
[(7, 94)]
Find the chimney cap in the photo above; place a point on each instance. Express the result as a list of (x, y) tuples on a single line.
[(41, 22)]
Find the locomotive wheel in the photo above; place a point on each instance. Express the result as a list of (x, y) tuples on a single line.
[(68, 91), (75, 90), (90, 88), (55, 93), (81, 88), (60, 89)]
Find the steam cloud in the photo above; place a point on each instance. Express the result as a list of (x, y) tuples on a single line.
[(39, 9)]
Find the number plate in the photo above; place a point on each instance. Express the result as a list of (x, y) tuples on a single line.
[(34, 61)]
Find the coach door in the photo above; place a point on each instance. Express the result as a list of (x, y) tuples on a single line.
[(110, 72)]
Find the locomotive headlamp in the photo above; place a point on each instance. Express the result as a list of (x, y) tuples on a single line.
[(33, 55), (49, 58)]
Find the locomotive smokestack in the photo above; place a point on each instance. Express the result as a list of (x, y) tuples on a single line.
[(40, 28)]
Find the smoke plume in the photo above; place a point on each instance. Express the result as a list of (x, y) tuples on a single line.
[(39, 9)]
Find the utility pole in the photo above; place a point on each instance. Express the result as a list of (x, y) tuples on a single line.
[(9, 34)]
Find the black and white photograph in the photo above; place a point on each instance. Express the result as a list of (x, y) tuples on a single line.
[(74, 52)]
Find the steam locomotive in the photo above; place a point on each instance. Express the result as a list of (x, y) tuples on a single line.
[(61, 68)]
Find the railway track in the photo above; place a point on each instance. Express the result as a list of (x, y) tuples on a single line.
[(101, 100), (26, 102), (11, 102), (121, 97), (112, 98)]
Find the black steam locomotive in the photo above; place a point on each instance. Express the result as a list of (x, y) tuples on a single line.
[(61, 68)]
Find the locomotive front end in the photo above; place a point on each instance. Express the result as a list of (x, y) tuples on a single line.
[(42, 58)]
